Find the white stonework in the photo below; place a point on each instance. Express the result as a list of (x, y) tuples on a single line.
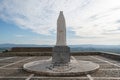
[(61, 30), (61, 64), (75, 68)]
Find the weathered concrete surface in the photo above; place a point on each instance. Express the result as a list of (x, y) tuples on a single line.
[(14, 71), (75, 68), (61, 55)]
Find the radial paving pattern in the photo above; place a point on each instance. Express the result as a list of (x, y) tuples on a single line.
[(11, 69)]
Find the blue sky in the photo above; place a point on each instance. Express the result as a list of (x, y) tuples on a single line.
[(11, 33), (34, 21)]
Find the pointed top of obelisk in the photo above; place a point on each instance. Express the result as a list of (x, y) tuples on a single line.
[(61, 12), (61, 17)]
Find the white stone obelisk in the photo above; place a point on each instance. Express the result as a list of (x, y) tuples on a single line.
[(61, 52), (61, 30), (60, 65)]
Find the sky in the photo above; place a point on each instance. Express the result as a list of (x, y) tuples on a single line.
[(34, 21)]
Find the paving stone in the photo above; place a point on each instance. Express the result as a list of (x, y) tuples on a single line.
[(13, 72), (99, 62), (64, 78), (2, 64), (107, 66), (2, 58), (106, 73), (106, 79), (86, 58), (20, 65), (12, 78), (13, 59)]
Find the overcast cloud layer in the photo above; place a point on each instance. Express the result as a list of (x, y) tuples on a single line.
[(99, 19)]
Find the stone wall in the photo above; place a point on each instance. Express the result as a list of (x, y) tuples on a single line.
[(31, 49), (113, 56)]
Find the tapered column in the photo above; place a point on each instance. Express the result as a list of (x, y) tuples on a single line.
[(61, 30)]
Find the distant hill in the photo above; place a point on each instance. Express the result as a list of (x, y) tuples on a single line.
[(104, 48), (95, 46), (22, 45), (72, 46)]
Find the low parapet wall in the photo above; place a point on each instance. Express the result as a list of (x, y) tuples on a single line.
[(10, 54), (45, 53), (31, 49), (84, 53), (113, 56)]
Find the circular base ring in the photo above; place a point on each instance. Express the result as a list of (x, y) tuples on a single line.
[(75, 68)]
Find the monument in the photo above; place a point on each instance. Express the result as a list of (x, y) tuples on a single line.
[(61, 52), (61, 63)]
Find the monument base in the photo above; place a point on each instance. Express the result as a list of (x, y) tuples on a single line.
[(61, 55), (74, 68)]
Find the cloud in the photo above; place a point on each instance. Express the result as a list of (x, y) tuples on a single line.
[(87, 18), (118, 21), (39, 15)]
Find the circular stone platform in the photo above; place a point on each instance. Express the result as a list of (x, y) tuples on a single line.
[(74, 68)]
